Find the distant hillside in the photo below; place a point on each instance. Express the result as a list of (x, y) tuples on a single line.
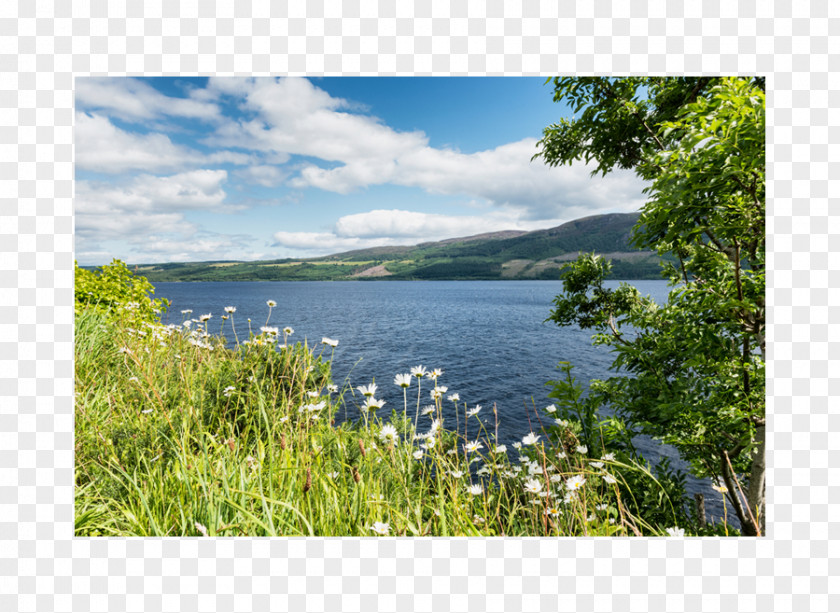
[(497, 255)]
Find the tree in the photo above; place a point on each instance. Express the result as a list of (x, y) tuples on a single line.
[(691, 371)]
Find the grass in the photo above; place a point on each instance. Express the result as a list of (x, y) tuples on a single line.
[(177, 435)]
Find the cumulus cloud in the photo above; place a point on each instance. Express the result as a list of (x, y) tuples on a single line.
[(134, 100), (103, 147), (146, 206), (294, 117), (398, 227)]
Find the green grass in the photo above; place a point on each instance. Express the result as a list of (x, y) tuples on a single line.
[(176, 436)]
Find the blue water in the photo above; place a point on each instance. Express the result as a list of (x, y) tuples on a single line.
[(490, 338)]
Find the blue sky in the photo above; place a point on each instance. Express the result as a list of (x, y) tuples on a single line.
[(192, 169)]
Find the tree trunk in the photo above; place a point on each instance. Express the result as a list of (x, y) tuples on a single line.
[(756, 493)]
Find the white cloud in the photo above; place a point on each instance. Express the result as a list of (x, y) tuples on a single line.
[(293, 116), (267, 176), (101, 146), (134, 100), (398, 227)]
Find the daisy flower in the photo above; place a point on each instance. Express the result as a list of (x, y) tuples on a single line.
[(517, 445), (530, 439), (598, 465), (500, 449), (329, 341), (204, 318), (473, 446), (388, 432), (675, 531), (403, 380), (550, 408), (419, 371), (186, 312), (288, 330), (453, 397), (457, 473), (533, 486), (437, 372), (610, 479), (332, 389), (230, 309), (381, 528), (476, 490), (581, 448), (575, 483), (474, 411), (418, 455), (271, 304), (372, 404), (427, 410), (367, 390)]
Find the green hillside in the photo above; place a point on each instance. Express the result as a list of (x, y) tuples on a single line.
[(499, 255)]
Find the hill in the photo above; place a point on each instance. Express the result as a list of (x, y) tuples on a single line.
[(511, 254)]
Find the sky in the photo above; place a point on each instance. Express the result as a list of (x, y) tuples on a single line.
[(181, 169)]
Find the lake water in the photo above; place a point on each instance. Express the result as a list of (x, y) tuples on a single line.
[(490, 338)]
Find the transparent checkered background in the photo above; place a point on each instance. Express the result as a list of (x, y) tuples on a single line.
[(43, 47)]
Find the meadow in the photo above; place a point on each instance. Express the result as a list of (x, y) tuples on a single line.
[(178, 435)]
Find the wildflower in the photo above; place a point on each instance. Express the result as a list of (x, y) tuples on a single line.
[(418, 455), (287, 330), (271, 304), (186, 312), (517, 446), (719, 487), (453, 397), (251, 461), (428, 409), (388, 432), (575, 483), (457, 473), (561, 454), (371, 404), (610, 479), (555, 478), (533, 486), (367, 390), (452, 451), (147, 411), (601, 507), (581, 448), (418, 371), (478, 519), (201, 528), (500, 449), (436, 425), (329, 341), (484, 470), (598, 465), (206, 317), (270, 330), (474, 411), (333, 475), (438, 392), (381, 528), (550, 408), (430, 442), (187, 323), (476, 490), (228, 391), (332, 389), (562, 423), (472, 446), (530, 439), (437, 372), (403, 380), (675, 531), (552, 512), (283, 420), (230, 309), (313, 394)]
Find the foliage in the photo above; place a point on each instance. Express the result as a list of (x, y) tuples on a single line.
[(694, 367), (114, 287)]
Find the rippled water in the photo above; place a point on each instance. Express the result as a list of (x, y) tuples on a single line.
[(489, 337)]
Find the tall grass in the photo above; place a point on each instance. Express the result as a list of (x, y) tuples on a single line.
[(177, 435)]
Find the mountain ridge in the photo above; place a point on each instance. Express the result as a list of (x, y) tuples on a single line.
[(506, 254)]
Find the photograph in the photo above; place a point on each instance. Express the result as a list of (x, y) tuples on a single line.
[(419, 306)]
